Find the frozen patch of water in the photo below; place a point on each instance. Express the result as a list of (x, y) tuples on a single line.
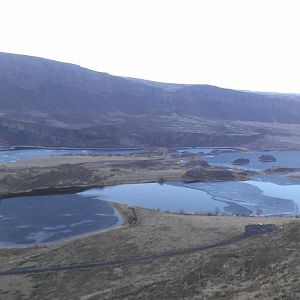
[(155, 196), (45, 219), (291, 192), (287, 159)]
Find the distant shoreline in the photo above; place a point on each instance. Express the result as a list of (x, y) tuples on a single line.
[(23, 147)]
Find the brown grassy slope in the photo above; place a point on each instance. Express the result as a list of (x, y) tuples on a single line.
[(265, 267)]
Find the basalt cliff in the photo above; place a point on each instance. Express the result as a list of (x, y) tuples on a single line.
[(49, 103)]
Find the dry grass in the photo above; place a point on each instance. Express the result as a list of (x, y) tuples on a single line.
[(214, 274), (86, 171)]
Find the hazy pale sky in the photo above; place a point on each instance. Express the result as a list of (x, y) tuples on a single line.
[(242, 44)]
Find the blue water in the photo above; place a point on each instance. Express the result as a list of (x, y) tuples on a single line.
[(44, 219), (270, 189), (251, 195), (10, 156), (155, 196), (288, 159), (232, 197), (205, 150), (271, 194)]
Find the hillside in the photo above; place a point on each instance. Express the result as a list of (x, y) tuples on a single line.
[(49, 103), (261, 267)]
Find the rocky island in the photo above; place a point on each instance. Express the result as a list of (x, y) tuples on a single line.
[(241, 161), (267, 158)]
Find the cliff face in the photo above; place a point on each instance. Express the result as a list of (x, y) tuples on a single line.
[(43, 102), (16, 133)]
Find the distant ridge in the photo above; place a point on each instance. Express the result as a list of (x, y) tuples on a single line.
[(49, 103)]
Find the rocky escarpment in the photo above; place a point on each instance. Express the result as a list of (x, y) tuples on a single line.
[(31, 84), (23, 133), (48, 103)]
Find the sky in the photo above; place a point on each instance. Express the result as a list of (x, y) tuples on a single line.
[(241, 44)]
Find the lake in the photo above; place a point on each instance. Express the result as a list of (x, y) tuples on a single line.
[(231, 197), (287, 159), (45, 219), (271, 194), (164, 197)]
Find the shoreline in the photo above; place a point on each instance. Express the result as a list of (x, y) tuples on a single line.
[(118, 172), (24, 147), (124, 214), (120, 223), (79, 188), (155, 233), (122, 211), (145, 147)]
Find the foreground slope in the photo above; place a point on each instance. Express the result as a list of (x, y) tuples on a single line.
[(49, 103), (262, 267)]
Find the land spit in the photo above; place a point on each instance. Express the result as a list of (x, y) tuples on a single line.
[(74, 173)]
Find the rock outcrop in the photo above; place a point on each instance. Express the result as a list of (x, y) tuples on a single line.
[(241, 161), (267, 158), (281, 170), (48, 103)]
